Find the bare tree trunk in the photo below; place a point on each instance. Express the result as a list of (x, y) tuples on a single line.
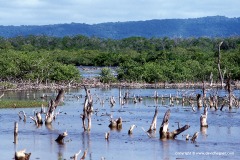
[(164, 133), (219, 65), (153, 125)]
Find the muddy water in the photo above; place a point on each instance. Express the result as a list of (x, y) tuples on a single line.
[(220, 140)]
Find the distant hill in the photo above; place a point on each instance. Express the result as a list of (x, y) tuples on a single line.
[(215, 26)]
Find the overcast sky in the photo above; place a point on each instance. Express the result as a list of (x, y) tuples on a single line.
[(40, 12)]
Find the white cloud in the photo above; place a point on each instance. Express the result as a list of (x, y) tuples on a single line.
[(25, 12)]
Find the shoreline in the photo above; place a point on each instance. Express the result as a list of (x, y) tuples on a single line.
[(95, 83)]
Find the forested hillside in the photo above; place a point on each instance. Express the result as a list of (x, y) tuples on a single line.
[(138, 59), (216, 26)]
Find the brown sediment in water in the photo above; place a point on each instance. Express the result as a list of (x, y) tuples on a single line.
[(95, 83)]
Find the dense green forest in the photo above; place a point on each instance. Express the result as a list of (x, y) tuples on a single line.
[(45, 58)]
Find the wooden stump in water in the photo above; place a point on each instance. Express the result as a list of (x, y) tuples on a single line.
[(61, 137)]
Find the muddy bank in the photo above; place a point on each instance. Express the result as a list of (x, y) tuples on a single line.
[(95, 83)]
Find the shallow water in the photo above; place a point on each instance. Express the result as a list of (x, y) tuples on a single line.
[(221, 137)]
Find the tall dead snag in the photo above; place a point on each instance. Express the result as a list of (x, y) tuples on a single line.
[(203, 118), (21, 155), (87, 110), (219, 65), (230, 94), (164, 133), (153, 125)]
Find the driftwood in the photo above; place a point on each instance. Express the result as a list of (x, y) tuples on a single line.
[(21, 155), (164, 133), (60, 138), (153, 125), (87, 110)]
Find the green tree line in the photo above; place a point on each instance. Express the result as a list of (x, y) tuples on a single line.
[(137, 58)]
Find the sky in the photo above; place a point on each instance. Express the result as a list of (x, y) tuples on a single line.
[(44, 12)]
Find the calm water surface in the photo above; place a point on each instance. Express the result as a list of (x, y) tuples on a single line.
[(221, 137)]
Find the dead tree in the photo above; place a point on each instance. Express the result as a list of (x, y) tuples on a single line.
[(164, 133), (153, 125), (52, 105), (219, 65), (21, 155), (203, 118), (87, 110)]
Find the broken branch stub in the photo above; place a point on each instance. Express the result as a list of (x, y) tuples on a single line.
[(164, 133), (59, 98)]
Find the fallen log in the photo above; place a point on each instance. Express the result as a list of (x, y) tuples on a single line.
[(163, 131)]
